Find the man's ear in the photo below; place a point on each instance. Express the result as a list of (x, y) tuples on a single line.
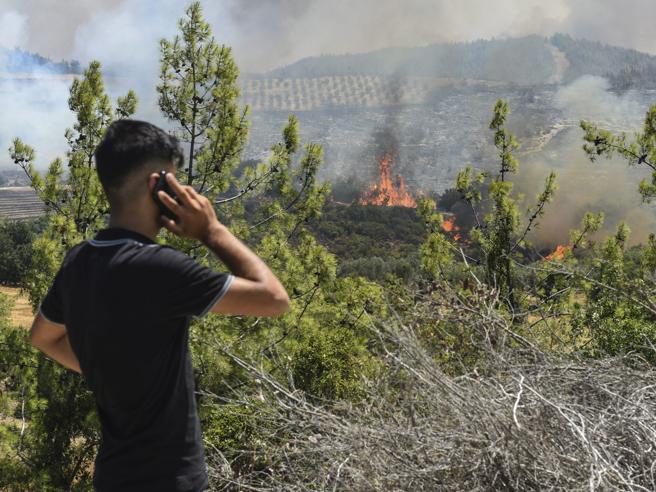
[(152, 180)]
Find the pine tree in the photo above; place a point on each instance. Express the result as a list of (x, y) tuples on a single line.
[(501, 234), (620, 314), (321, 341), (76, 206), (639, 151), (60, 441), (198, 92)]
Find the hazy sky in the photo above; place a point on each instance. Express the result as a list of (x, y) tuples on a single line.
[(269, 33)]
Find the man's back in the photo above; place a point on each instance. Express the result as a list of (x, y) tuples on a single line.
[(119, 308), (126, 303)]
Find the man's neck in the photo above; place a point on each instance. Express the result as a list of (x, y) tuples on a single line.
[(136, 224)]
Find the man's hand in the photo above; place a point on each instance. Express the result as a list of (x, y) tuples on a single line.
[(196, 216), (255, 290)]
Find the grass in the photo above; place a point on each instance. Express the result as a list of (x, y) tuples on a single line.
[(21, 313)]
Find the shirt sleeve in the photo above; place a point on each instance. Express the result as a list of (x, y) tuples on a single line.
[(52, 306), (188, 288)]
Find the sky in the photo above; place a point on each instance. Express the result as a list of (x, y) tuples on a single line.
[(269, 33)]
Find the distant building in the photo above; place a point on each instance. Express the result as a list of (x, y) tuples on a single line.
[(20, 202)]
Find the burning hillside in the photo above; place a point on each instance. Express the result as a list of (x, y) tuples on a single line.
[(387, 192)]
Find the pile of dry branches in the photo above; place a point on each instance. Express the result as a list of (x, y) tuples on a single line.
[(525, 420)]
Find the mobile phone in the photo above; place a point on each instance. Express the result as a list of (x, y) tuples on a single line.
[(164, 186)]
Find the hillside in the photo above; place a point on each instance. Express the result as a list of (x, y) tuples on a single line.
[(402, 76), (21, 61), (527, 60)]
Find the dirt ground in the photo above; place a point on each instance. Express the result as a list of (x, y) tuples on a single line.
[(21, 314)]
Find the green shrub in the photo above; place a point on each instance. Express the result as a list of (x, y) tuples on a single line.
[(330, 365)]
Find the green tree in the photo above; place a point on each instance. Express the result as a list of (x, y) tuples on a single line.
[(267, 205), (16, 238), (63, 434), (198, 92), (501, 234), (620, 315), (76, 206), (638, 151)]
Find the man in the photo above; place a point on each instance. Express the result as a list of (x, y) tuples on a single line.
[(119, 309)]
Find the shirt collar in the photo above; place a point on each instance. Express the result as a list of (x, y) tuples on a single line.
[(113, 233)]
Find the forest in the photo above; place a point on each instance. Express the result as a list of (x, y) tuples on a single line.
[(422, 351), (17, 60), (525, 60)]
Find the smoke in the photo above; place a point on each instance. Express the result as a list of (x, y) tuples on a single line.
[(628, 24), (124, 37), (12, 29), (24, 105), (589, 98), (606, 185), (301, 28), (269, 33), (34, 106), (49, 26)]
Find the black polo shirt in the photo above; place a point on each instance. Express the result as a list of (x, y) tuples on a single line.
[(126, 303)]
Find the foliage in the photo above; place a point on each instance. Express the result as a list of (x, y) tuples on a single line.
[(595, 58), (407, 355), (500, 235), (523, 420), (619, 313), (75, 203), (198, 92), (60, 442), (16, 238), (532, 62), (640, 151), (276, 229), (269, 206), (370, 240)]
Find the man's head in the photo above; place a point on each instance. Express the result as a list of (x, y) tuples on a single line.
[(127, 157)]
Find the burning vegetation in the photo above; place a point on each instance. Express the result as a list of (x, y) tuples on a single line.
[(559, 253), (449, 225), (386, 192)]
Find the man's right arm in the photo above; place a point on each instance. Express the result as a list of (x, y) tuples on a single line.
[(255, 290)]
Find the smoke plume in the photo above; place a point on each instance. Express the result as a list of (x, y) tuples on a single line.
[(606, 185)]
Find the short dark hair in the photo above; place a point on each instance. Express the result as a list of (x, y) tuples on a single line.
[(127, 146)]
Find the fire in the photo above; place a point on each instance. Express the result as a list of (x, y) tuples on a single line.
[(559, 253), (385, 192), (449, 225)]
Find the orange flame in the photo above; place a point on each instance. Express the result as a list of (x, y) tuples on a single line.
[(559, 253), (384, 192), (449, 225)]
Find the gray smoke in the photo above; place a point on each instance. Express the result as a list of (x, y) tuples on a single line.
[(607, 185), (269, 33)]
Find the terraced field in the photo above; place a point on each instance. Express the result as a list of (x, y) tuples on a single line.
[(20, 202), (305, 94)]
